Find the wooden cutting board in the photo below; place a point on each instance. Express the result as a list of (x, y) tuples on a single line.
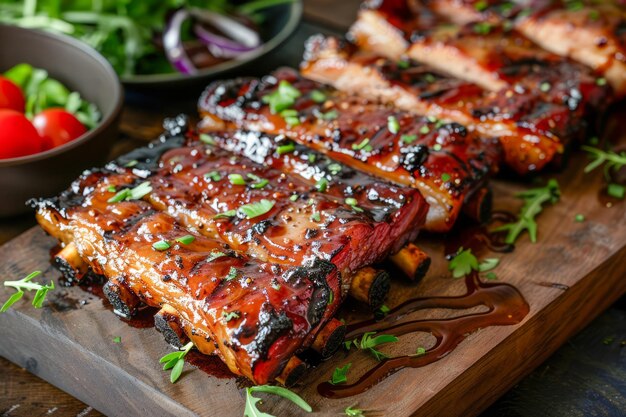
[(573, 273)]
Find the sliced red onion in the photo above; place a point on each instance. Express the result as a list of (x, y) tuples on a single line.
[(173, 43), (242, 38), (219, 45), (235, 30)]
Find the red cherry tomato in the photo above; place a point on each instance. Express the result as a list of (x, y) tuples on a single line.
[(18, 137), (57, 126), (11, 96)]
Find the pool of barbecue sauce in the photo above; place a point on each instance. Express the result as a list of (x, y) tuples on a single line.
[(506, 306)]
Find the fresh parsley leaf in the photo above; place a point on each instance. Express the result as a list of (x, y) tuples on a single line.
[(463, 263), (161, 245), (214, 255), (340, 375), (488, 264), (251, 409), (534, 200), (225, 214), (185, 240), (117, 339), (232, 274), (257, 209), (175, 361)]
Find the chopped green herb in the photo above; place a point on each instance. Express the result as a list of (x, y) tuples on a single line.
[(480, 5), (334, 168), (315, 217), (251, 409), (463, 263), (111, 188), (601, 81), (185, 240), (161, 245), (329, 115), (408, 138), (364, 145), (594, 15), (208, 139), (132, 163), (393, 125), (352, 202), (545, 87), (404, 64), (117, 339), (321, 185), (369, 343), (424, 129), (437, 147), (445, 177), (488, 264), (236, 179), (311, 158), (232, 274), (175, 361), (228, 213), (384, 309), (579, 218), (429, 78), (491, 276), (25, 285), (340, 375), (353, 412), (317, 96), (213, 176), (292, 121), (575, 5), (260, 182), (128, 194), (283, 149), (214, 255), (482, 28), (282, 98), (275, 285), (616, 191), (293, 197), (257, 209), (231, 315), (533, 205), (608, 340), (419, 352)]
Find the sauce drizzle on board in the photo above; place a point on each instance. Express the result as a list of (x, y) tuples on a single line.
[(505, 306)]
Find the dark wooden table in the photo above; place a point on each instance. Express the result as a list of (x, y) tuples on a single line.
[(586, 377)]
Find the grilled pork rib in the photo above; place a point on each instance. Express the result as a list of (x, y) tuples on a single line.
[(590, 32), (529, 129), (444, 161), (256, 282)]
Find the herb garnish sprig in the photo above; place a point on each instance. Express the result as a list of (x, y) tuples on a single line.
[(175, 361), (611, 159), (252, 410), (534, 200), (369, 343), (340, 375), (25, 284), (464, 262)]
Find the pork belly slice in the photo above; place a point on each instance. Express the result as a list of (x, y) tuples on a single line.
[(527, 128), (444, 161), (590, 32), (256, 314)]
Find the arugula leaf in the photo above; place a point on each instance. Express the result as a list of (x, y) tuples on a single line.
[(251, 409), (369, 343), (533, 205), (25, 284), (340, 375)]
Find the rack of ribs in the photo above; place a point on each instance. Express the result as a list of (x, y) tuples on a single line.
[(250, 273), (590, 32), (533, 133), (445, 161)]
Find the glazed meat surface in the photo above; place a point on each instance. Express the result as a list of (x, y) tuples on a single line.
[(532, 132), (259, 271), (444, 161), (590, 32)]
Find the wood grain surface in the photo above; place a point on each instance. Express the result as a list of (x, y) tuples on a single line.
[(584, 256)]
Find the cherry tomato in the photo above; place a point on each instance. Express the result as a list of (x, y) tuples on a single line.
[(57, 126), (18, 137), (11, 96)]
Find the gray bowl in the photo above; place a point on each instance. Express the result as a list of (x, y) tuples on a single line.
[(81, 69), (281, 21)]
